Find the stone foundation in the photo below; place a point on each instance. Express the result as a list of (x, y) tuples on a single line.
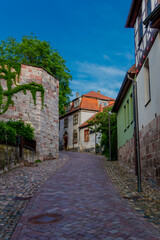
[(126, 154), (10, 157), (150, 150)]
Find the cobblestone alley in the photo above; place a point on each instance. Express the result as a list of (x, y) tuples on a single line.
[(79, 202)]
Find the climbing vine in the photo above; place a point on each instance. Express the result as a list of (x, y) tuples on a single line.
[(10, 72)]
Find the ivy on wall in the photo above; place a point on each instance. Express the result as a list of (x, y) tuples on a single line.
[(10, 72)]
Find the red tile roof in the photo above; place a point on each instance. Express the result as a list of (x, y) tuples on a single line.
[(89, 103), (85, 124), (109, 105), (97, 95)]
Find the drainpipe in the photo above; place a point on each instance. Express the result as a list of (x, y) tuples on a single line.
[(136, 134)]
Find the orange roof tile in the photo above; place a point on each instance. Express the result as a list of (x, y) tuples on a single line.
[(89, 103), (85, 124), (109, 105), (97, 95)]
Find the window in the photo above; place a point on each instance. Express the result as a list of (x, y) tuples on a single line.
[(76, 103), (124, 117), (86, 135), (140, 26), (148, 7), (128, 113), (131, 107), (68, 108), (147, 82), (75, 137), (75, 119), (66, 123)]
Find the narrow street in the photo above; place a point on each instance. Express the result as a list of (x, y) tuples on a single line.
[(79, 202)]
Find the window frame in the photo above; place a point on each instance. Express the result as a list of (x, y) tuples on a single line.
[(140, 27), (86, 135), (124, 115), (75, 119), (66, 123), (147, 86), (148, 9), (75, 139), (127, 120), (131, 108)]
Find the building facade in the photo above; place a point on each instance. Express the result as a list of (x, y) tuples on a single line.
[(125, 121), (144, 17), (73, 134)]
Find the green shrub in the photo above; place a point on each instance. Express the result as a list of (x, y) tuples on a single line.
[(7, 134), (21, 129), (9, 130), (38, 161)]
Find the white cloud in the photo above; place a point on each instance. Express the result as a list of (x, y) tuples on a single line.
[(129, 56), (94, 77), (107, 58), (99, 70)]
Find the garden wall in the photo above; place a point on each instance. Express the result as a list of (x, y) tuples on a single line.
[(10, 157), (126, 154), (150, 150)]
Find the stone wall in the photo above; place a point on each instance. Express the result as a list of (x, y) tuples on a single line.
[(45, 121), (150, 150), (126, 154), (9, 157)]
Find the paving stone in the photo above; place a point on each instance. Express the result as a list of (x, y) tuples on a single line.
[(22, 182), (82, 192)]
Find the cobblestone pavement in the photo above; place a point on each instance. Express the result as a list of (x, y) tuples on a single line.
[(88, 205), (17, 186), (146, 203)]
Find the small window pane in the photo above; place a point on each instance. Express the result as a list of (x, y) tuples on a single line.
[(147, 82), (86, 135), (66, 123)]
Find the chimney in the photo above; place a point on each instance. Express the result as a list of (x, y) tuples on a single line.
[(100, 108), (98, 92), (77, 94)]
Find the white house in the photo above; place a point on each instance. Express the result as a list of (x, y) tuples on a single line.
[(75, 135), (144, 17)]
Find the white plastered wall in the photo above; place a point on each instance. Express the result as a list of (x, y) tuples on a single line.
[(147, 113)]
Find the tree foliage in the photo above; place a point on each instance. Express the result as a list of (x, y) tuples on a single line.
[(31, 50), (101, 121), (22, 129), (10, 129)]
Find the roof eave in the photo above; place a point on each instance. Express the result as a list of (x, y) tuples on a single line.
[(153, 18), (133, 13), (125, 86)]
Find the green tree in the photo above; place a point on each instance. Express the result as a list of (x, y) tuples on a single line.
[(101, 121), (31, 50)]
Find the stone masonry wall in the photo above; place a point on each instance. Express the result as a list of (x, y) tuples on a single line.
[(126, 154), (9, 157), (150, 150), (45, 121)]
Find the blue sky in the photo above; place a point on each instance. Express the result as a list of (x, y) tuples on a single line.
[(89, 34)]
